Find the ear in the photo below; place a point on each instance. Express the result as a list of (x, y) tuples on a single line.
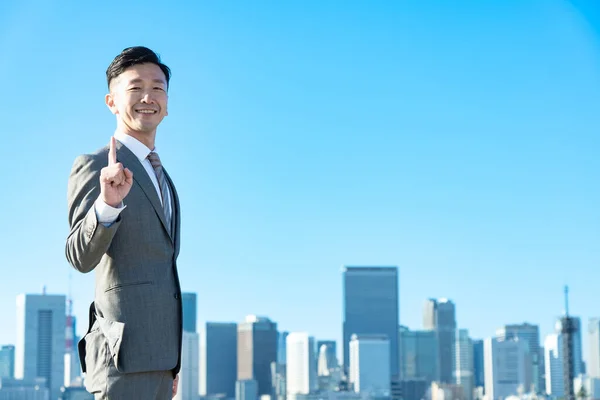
[(110, 103)]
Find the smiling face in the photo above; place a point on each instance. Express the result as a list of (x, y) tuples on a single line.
[(138, 97)]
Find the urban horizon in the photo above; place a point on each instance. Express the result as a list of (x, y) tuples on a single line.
[(549, 323), (370, 304)]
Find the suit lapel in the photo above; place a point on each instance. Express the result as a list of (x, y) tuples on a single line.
[(129, 160)]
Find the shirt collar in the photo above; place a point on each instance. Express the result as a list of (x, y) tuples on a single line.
[(139, 149)]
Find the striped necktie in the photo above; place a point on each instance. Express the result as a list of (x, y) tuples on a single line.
[(162, 183)]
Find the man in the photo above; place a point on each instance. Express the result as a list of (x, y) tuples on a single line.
[(125, 223)]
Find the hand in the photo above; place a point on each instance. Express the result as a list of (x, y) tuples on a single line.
[(115, 181), (175, 385)]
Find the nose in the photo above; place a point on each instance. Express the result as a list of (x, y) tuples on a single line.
[(147, 98)]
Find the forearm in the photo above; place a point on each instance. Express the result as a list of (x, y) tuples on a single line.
[(88, 239)]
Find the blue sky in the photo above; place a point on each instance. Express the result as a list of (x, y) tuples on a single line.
[(458, 141)]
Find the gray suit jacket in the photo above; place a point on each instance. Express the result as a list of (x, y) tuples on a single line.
[(137, 307)]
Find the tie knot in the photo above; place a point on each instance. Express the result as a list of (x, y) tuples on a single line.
[(154, 160)]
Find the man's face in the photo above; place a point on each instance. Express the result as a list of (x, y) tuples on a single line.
[(138, 97)]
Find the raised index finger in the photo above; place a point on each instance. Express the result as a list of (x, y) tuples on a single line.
[(112, 152)]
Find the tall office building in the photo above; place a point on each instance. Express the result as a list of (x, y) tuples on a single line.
[(257, 349), (506, 367), (189, 302), (369, 365), (278, 373), (328, 369), (218, 359), (553, 362), (578, 363), (594, 357), (72, 363), (530, 334), (542, 358), (419, 358), (479, 377), (301, 374), (7, 361), (188, 375), (246, 390), (371, 308), (281, 347), (430, 315), (440, 316), (464, 363), (330, 358), (190, 350), (40, 347)]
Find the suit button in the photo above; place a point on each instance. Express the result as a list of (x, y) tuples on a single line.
[(176, 295)]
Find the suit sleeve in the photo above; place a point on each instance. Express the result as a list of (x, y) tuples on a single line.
[(88, 239)]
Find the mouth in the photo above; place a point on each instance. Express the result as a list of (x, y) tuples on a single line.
[(146, 111)]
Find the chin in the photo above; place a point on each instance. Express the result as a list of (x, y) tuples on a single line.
[(146, 127)]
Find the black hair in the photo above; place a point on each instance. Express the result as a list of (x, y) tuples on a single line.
[(132, 56)]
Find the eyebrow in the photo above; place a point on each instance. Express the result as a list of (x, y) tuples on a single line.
[(138, 80)]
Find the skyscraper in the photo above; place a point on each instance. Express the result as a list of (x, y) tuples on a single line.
[(430, 315), (542, 358), (419, 355), (440, 316), (7, 361), (281, 347), (478, 363), (530, 334), (594, 337), (369, 371), (371, 308), (257, 349), (40, 347), (553, 362), (218, 359), (188, 375), (301, 374), (72, 363), (464, 363), (326, 360), (189, 302), (246, 390), (506, 367)]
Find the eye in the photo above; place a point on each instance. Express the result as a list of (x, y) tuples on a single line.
[(134, 88), (158, 88)]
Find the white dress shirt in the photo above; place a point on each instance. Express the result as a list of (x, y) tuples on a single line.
[(107, 214)]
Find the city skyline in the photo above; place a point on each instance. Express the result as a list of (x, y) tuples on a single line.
[(499, 332), (81, 329), (456, 142), (510, 363)]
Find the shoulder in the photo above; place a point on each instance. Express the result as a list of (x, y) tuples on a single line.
[(94, 161)]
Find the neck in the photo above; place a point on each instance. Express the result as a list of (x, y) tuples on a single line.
[(147, 138)]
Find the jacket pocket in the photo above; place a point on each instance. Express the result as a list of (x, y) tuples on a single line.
[(113, 332), (94, 360), (124, 285)]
